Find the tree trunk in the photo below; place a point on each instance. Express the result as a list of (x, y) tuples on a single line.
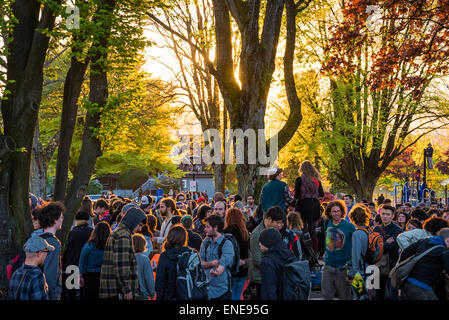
[(219, 177), (72, 89), (38, 181), (91, 145)]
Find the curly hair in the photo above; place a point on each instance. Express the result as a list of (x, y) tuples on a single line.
[(435, 224), (335, 203), (50, 213), (360, 215)]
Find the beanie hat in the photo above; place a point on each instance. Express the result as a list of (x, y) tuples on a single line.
[(269, 237)]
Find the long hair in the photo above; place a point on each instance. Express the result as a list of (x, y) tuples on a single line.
[(86, 205), (176, 237), (294, 221), (100, 235), (307, 169), (234, 216)]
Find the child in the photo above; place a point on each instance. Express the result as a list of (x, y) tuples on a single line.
[(145, 272)]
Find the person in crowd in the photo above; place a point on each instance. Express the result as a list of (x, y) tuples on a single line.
[(275, 192), (191, 205), (360, 216), (145, 203), (174, 245), (220, 209), (50, 220), (217, 267), (116, 209), (251, 206), (255, 219), (203, 212), (411, 225), (147, 233), (349, 203), (431, 228), (194, 239), (37, 230), (200, 201), (434, 213), (168, 211), (338, 233), (87, 206), (75, 242), (295, 224), (445, 215), (275, 256), (402, 219), (389, 232), (372, 209), (119, 269), (90, 261), (235, 225), (100, 210), (144, 270), (28, 282), (274, 218), (308, 192), (423, 279)]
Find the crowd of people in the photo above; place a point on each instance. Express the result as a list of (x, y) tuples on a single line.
[(190, 246)]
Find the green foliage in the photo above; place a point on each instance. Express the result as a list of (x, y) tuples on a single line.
[(94, 187), (133, 178)]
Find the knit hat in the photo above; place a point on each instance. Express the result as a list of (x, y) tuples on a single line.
[(269, 237)]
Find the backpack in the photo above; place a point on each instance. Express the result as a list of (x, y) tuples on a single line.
[(401, 271), (191, 281), (236, 264), (16, 262), (295, 281), (375, 248)]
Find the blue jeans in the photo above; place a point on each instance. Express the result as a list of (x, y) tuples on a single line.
[(237, 287)]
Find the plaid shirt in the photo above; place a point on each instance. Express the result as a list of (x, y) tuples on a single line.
[(32, 284), (119, 268)]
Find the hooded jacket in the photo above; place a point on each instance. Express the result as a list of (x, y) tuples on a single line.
[(166, 273), (270, 269), (119, 268), (428, 269)]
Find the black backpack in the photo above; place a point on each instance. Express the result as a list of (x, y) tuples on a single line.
[(236, 264), (191, 280), (295, 281)]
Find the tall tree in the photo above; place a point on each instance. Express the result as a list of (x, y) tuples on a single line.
[(27, 43), (382, 77), (193, 21)]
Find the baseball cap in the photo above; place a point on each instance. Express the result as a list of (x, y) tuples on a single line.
[(274, 171), (36, 244), (144, 200), (201, 199)]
